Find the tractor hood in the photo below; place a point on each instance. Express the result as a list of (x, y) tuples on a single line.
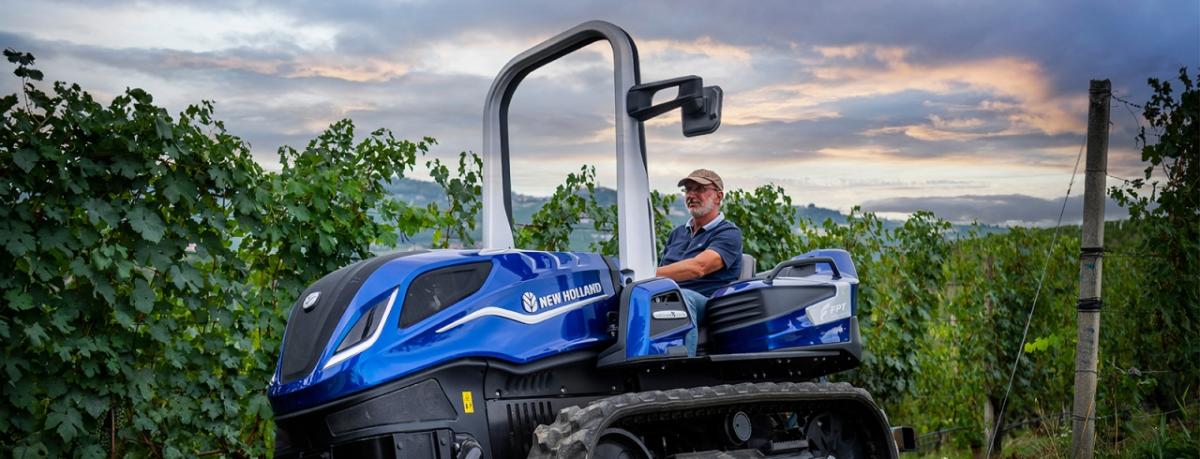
[(390, 316), (317, 312)]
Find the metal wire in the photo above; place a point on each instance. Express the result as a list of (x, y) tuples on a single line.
[(1033, 306)]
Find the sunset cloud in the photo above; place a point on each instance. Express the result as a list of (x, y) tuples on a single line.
[(1018, 90), (305, 66), (838, 102), (705, 46)]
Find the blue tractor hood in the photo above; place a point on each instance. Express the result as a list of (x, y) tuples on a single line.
[(390, 316)]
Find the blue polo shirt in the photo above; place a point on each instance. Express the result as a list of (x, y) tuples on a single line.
[(720, 235)]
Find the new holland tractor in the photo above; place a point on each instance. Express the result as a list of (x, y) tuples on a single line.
[(502, 352)]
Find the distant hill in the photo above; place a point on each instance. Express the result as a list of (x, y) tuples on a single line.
[(421, 193)]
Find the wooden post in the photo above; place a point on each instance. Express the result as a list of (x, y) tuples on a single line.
[(1091, 246)]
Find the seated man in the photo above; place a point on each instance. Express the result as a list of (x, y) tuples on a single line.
[(705, 253)]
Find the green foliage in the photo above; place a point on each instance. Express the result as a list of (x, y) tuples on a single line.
[(551, 225), (574, 202), (660, 206), (122, 291), (1164, 211), (148, 264), (766, 218), (463, 194), (902, 304)]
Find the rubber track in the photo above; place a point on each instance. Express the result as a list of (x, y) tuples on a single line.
[(574, 433)]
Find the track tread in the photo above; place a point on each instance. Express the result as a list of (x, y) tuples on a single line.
[(574, 432)]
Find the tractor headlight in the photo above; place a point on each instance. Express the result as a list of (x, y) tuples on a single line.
[(365, 330)]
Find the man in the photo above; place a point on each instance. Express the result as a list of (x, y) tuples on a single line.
[(705, 253)]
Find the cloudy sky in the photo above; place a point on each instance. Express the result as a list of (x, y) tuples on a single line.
[(974, 110)]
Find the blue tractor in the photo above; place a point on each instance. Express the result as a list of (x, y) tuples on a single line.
[(502, 352)]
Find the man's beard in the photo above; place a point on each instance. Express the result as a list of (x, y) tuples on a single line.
[(704, 208)]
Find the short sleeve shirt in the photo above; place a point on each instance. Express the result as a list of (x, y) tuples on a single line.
[(719, 235)]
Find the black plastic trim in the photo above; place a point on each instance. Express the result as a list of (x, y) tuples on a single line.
[(659, 327), (365, 325), (556, 382), (734, 311), (1089, 304), (423, 401), (437, 289), (309, 430), (309, 331)]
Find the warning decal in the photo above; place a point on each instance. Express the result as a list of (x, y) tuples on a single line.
[(468, 404)]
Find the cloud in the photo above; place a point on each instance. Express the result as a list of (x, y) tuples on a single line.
[(1007, 209), (190, 27), (703, 46), (845, 100), (1029, 104)]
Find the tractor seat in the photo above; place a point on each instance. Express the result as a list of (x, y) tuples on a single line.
[(748, 265)]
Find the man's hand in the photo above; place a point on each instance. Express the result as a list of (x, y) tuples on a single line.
[(707, 262)]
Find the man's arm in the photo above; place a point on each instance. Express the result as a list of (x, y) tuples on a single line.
[(707, 262)]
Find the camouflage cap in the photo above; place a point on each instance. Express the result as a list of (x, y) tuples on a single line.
[(704, 177)]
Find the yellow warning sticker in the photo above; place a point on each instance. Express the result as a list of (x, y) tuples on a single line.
[(468, 404)]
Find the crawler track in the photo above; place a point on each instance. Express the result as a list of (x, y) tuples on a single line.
[(680, 422)]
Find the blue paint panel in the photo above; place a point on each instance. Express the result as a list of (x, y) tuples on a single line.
[(792, 330), (789, 331), (743, 286), (673, 338), (839, 256), (638, 342), (555, 280)]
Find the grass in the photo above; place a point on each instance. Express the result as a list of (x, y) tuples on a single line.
[(1143, 436)]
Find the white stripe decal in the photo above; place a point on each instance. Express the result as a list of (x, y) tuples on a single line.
[(519, 317), (357, 348)]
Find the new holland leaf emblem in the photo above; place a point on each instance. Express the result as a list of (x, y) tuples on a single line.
[(529, 302), (310, 301)]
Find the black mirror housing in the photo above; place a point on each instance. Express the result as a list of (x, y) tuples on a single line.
[(700, 105)]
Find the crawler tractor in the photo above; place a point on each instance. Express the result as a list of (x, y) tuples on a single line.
[(502, 352)]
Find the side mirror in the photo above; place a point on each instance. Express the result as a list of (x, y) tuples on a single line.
[(701, 105)]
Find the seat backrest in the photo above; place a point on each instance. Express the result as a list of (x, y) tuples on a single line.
[(747, 267)]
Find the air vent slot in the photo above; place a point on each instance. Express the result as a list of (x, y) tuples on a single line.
[(758, 305), (523, 417), (366, 324)]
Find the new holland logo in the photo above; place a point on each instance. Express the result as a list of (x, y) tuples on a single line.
[(533, 303), (311, 300), (529, 302)]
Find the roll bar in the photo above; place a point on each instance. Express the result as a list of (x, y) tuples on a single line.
[(635, 221)]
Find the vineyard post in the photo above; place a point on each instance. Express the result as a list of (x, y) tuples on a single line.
[(1091, 247)]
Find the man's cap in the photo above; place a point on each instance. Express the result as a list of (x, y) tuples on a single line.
[(704, 177)]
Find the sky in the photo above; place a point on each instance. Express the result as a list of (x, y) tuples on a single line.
[(973, 110)]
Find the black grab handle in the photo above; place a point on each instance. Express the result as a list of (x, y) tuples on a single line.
[(802, 262)]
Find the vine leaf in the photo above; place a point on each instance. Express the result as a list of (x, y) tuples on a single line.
[(146, 223), (143, 296)]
